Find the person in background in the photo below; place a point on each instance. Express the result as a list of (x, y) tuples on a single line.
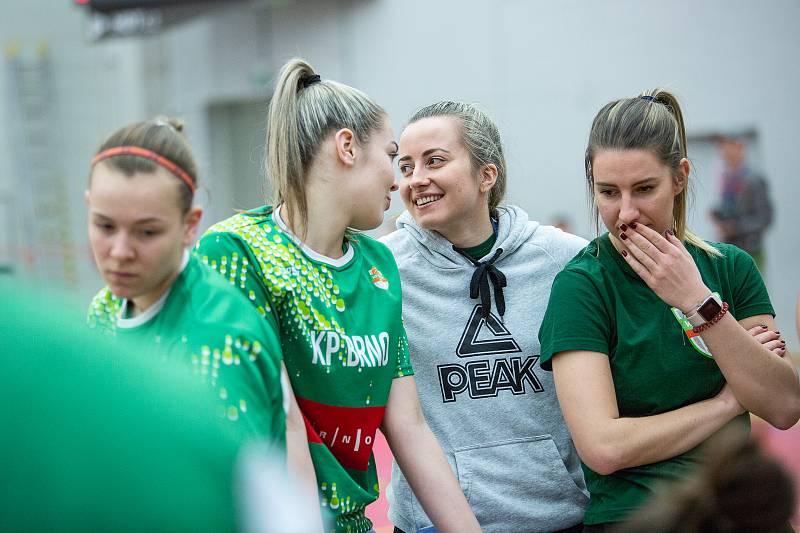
[(657, 339), (333, 297), (744, 211), (476, 276), (141, 221)]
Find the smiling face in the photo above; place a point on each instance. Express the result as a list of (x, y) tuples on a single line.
[(372, 182), (440, 187), (634, 186), (138, 231)]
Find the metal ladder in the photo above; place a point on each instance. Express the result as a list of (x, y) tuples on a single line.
[(47, 248)]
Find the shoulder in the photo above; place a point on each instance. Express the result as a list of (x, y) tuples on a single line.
[(587, 267), (559, 245), (400, 244), (375, 250), (215, 302), (249, 227), (730, 255)]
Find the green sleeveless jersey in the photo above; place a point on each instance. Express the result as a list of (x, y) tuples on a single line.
[(205, 323), (342, 338)]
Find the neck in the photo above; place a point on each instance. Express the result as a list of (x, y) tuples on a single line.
[(469, 232), (324, 228)]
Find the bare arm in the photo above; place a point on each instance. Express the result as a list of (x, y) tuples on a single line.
[(298, 457), (422, 462), (764, 383), (607, 442)]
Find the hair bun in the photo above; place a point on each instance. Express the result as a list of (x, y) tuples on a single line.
[(176, 124)]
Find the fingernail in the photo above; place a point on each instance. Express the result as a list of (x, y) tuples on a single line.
[(764, 326), (669, 232), (624, 253), (777, 333), (632, 225), (623, 236), (623, 227)]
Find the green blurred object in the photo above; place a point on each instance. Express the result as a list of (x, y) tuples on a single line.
[(97, 443)]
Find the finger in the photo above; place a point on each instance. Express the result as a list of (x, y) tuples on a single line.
[(775, 345), (643, 250), (655, 238), (756, 330), (675, 241), (767, 336), (637, 267)]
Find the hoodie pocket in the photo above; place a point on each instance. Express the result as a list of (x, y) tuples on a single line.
[(521, 485)]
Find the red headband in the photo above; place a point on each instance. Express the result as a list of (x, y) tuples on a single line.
[(142, 152)]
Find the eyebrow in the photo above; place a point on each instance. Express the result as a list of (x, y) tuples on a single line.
[(640, 182), (148, 220), (426, 152)]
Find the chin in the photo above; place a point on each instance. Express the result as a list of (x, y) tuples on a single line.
[(368, 224)]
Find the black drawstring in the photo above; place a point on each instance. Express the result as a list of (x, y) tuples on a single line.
[(479, 285)]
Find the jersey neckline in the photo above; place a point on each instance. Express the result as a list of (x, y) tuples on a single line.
[(311, 254), (153, 310)]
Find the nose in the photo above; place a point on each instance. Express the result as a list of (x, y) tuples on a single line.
[(121, 247), (628, 211), (419, 178), (394, 186)]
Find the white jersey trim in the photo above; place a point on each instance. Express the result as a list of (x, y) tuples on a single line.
[(151, 311), (342, 261)]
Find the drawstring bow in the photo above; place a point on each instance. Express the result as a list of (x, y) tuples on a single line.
[(485, 271)]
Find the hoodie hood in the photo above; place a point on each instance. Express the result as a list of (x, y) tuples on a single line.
[(513, 230)]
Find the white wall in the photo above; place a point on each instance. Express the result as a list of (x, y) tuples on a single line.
[(542, 69), (96, 90)]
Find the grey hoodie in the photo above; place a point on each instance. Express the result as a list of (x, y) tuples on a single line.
[(483, 393)]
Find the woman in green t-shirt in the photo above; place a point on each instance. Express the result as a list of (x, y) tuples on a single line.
[(333, 296), (159, 297), (634, 320)]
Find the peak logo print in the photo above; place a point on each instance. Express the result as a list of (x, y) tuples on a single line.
[(482, 379)]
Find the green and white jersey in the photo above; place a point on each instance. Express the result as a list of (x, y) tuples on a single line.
[(205, 323), (342, 338)]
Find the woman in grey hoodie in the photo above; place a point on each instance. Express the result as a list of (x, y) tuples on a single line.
[(476, 279)]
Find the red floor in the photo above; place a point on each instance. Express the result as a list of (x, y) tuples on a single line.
[(784, 445)]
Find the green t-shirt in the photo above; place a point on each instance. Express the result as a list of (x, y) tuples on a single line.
[(206, 324), (479, 251), (342, 337), (97, 443), (598, 303)]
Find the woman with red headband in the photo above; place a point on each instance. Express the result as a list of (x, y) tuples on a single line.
[(141, 221)]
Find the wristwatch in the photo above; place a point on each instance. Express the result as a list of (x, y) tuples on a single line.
[(706, 311)]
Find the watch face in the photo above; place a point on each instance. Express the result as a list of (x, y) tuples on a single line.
[(709, 309)]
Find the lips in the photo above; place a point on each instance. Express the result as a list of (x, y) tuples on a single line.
[(122, 276)]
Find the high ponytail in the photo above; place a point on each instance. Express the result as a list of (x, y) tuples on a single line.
[(303, 111), (651, 121)]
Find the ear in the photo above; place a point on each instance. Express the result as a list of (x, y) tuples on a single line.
[(488, 174), (345, 142), (682, 177), (191, 222)]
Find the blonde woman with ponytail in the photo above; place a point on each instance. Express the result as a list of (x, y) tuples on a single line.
[(333, 297), (656, 338)]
